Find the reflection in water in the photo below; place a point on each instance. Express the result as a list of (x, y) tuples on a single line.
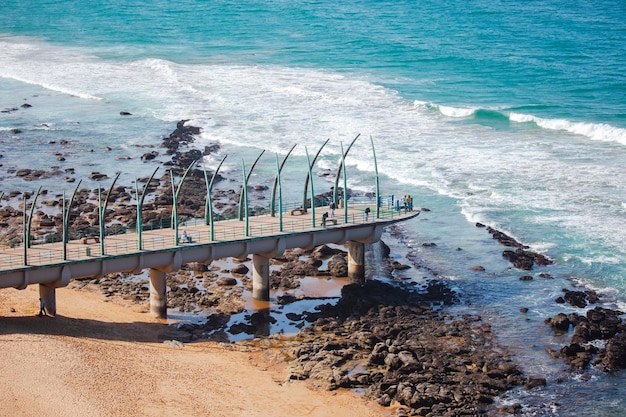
[(261, 321), (286, 312)]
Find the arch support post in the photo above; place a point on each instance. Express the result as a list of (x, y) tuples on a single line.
[(260, 277), (158, 293), (356, 261), (48, 295)]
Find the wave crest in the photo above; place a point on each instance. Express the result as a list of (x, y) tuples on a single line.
[(594, 131), (450, 111)]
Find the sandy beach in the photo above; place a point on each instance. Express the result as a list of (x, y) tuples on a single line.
[(104, 358)]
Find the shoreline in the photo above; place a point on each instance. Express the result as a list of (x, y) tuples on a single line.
[(103, 359)]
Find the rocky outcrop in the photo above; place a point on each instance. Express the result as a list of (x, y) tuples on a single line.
[(597, 324), (520, 257), (578, 299), (183, 135), (387, 341), (614, 355), (338, 266)]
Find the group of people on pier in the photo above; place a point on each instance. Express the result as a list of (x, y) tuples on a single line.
[(405, 203)]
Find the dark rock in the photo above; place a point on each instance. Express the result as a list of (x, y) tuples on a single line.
[(504, 239), (199, 267), (581, 334), (97, 176), (384, 249), (293, 316), (614, 357), (535, 382), (226, 281), (149, 156), (399, 266), (286, 299), (209, 149), (240, 269), (592, 297), (560, 322), (315, 263), (325, 251), (337, 266), (576, 298), (519, 259)]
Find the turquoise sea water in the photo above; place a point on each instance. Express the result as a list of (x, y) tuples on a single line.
[(508, 113)]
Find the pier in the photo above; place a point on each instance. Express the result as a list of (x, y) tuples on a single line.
[(352, 221), (163, 252)]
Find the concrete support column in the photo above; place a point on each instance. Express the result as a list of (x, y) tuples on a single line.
[(158, 293), (260, 277), (48, 295), (356, 261)]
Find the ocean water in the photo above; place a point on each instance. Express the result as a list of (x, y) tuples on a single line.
[(508, 113)]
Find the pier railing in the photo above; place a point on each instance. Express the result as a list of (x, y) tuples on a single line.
[(259, 224)]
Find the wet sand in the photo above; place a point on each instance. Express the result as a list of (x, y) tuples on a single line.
[(105, 358)]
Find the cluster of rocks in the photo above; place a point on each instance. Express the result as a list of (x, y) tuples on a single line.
[(597, 324), (578, 299), (292, 267), (121, 212), (28, 174), (521, 257), (83, 220), (14, 109), (387, 340), (195, 287)]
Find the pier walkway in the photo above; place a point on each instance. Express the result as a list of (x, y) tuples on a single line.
[(54, 265)]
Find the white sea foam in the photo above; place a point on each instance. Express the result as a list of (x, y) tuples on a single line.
[(541, 247), (593, 131), (49, 86), (456, 112), (38, 64), (602, 259)]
